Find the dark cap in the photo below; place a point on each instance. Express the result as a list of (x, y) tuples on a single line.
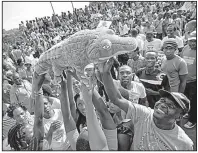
[(179, 98)]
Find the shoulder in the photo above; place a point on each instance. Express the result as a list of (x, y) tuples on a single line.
[(138, 85), (183, 137), (178, 58), (157, 40)]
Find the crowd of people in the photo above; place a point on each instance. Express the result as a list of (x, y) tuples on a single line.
[(134, 101)]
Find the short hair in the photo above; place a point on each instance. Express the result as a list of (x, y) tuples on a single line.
[(82, 145), (152, 51), (12, 107), (124, 66)]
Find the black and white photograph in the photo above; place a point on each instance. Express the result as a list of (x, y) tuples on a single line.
[(99, 76)]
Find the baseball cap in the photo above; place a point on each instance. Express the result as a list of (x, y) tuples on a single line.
[(170, 42), (179, 98), (193, 36)]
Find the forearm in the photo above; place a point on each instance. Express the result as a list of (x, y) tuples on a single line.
[(182, 86), (110, 88), (38, 119), (71, 96), (49, 137), (105, 116), (65, 108), (97, 139)]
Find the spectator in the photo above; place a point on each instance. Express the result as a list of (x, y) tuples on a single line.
[(174, 66), (189, 55), (151, 44), (170, 34), (136, 61), (150, 78), (171, 106), (158, 26), (20, 92)]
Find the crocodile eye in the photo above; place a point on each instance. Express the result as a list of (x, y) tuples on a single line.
[(106, 47)]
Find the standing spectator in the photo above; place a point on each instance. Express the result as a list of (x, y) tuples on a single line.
[(148, 27), (153, 129), (158, 26), (174, 66), (151, 44), (54, 128), (123, 28), (134, 34), (136, 61), (171, 34), (167, 20), (189, 54), (150, 78), (136, 90)]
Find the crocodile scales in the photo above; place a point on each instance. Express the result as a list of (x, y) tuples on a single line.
[(82, 48)]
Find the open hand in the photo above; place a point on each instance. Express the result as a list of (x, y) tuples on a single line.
[(55, 125)]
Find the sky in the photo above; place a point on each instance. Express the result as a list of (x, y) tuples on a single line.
[(15, 12)]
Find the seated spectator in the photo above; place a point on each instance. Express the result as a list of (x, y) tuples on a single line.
[(20, 92)]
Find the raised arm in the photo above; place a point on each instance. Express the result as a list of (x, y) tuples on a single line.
[(70, 93), (97, 139), (38, 109), (69, 123), (108, 124), (112, 92)]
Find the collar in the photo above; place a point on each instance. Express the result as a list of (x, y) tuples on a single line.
[(151, 72)]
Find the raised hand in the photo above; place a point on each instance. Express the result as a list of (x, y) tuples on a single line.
[(106, 66), (38, 80)]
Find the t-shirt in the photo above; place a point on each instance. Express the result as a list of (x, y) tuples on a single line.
[(154, 45), (7, 124), (147, 136), (173, 69), (72, 137), (137, 91), (151, 81), (190, 56), (158, 26), (59, 139)]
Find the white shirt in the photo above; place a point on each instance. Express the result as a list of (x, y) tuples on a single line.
[(137, 91), (147, 136), (59, 139), (154, 45)]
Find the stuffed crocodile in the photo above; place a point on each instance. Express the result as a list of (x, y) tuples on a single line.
[(82, 48)]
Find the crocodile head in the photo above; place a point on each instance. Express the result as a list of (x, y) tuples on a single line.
[(108, 45)]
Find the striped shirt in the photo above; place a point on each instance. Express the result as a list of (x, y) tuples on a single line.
[(7, 124)]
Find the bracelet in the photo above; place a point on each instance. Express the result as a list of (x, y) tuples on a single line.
[(38, 93)]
